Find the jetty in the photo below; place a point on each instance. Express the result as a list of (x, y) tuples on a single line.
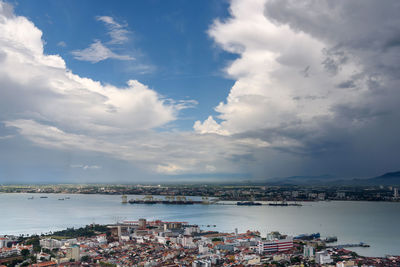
[(361, 244)]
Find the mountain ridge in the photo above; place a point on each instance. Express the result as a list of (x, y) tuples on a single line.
[(389, 178)]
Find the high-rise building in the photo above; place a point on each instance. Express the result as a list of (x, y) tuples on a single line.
[(73, 253), (308, 251)]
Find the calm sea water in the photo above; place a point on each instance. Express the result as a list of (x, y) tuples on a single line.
[(375, 223)]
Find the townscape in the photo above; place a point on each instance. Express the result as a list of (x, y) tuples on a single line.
[(161, 243), (225, 192)]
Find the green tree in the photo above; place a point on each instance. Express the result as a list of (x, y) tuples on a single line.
[(86, 258), (25, 252), (33, 240), (37, 249)]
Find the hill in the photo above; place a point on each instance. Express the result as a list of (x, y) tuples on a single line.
[(390, 178)]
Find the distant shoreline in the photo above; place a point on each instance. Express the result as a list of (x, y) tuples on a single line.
[(265, 202), (225, 193)]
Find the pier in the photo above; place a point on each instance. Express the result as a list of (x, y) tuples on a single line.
[(361, 244)]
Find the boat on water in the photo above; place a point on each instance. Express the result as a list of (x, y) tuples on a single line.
[(283, 203), (308, 236), (169, 200), (30, 197), (330, 239), (43, 197), (248, 203), (361, 244), (159, 201), (141, 201), (60, 199)]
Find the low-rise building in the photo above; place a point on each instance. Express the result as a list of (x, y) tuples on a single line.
[(323, 257), (275, 245)]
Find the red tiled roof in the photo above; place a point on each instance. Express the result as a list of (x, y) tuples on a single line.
[(45, 263)]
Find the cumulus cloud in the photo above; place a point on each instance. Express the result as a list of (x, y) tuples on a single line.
[(269, 91), (209, 126), (312, 77), (47, 104), (39, 87)]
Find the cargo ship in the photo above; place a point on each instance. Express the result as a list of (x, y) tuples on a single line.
[(330, 239), (308, 236), (284, 204), (169, 200), (248, 203)]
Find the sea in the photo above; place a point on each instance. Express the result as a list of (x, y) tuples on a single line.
[(374, 223)]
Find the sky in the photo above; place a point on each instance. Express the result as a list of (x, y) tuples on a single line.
[(180, 91)]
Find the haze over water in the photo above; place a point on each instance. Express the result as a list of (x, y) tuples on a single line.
[(375, 223)]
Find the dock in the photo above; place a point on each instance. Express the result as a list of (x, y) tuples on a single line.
[(361, 244)]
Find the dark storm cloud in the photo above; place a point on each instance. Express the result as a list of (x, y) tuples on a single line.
[(347, 84), (368, 30), (365, 32)]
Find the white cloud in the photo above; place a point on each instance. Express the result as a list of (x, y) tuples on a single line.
[(165, 152), (85, 167), (211, 168), (169, 169), (97, 52), (56, 109), (271, 89), (62, 44), (39, 87), (311, 77), (209, 126), (117, 32)]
